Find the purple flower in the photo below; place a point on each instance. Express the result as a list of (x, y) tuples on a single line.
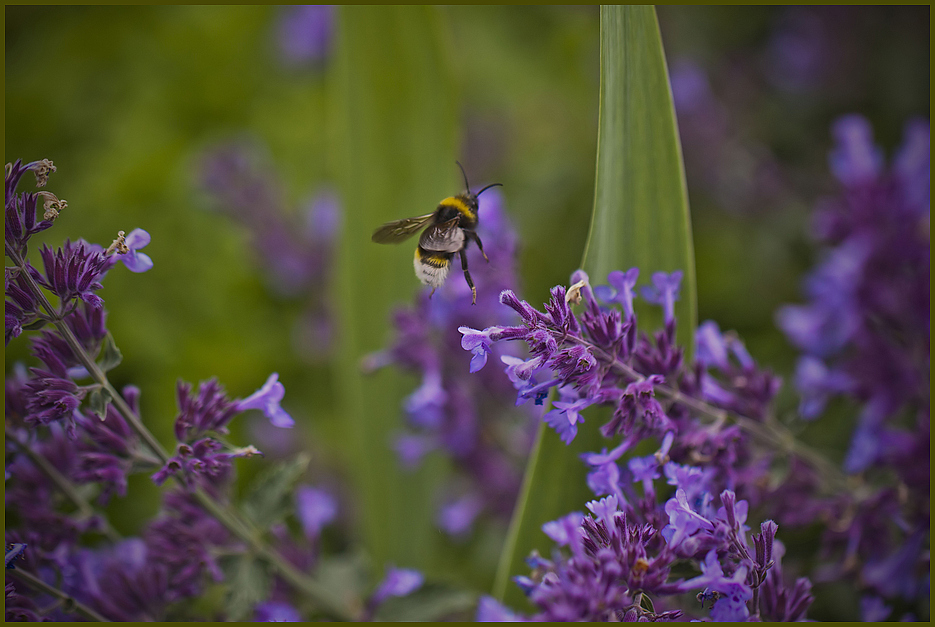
[(733, 592), (478, 342), (20, 209), (566, 416), (210, 410), (306, 32), (489, 610), (277, 612), (621, 289), (664, 291), (134, 260), (855, 159), (267, 400), (73, 271), (50, 399), (457, 517), (315, 508), (398, 582)]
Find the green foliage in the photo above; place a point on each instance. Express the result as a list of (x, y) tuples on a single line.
[(395, 129), (110, 354), (269, 497), (248, 583), (640, 219)]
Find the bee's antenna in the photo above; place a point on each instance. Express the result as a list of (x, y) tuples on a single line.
[(488, 187), (467, 187)]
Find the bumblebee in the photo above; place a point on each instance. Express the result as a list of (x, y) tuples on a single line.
[(450, 228)]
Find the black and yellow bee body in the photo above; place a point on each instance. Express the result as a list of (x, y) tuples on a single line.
[(448, 231)]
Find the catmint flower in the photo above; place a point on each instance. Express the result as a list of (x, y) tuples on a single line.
[(489, 610), (51, 399), (276, 612), (20, 209), (267, 399), (457, 517), (73, 271), (398, 582), (664, 291), (566, 416), (128, 251), (855, 159), (621, 289), (306, 33), (315, 508), (733, 592)]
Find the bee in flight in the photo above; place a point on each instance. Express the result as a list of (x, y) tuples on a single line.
[(449, 229)]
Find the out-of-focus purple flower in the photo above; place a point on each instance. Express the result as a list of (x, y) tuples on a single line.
[(489, 610), (457, 517), (267, 400), (398, 582), (276, 612), (306, 33), (50, 399), (13, 551), (19, 608), (184, 540), (315, 508), (855, 159)]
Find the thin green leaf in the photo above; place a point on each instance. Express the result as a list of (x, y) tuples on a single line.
[(393, 146), (640, 218), (269, 497)]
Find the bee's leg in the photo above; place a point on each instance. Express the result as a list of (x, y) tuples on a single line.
[(474, 236), (432, 293), (467, 276)]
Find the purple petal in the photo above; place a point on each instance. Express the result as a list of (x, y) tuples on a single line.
[(267, 399)]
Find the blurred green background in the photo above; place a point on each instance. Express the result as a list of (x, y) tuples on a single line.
[(125, 100)]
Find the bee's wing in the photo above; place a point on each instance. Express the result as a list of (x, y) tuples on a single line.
[(445, 237), (400, 230)]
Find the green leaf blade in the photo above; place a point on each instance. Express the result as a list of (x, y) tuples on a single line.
[(641, 215), (393, 150), (640, 218)]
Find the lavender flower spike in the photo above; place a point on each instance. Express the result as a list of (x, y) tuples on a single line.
[(267, 399)]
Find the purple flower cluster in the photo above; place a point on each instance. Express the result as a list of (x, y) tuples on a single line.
[(296, 247), (469, 418), (622, 556), (864, 335), (71, 436)]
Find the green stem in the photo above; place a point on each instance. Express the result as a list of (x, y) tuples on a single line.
[(71, 604), (63, 484), (224, 513)]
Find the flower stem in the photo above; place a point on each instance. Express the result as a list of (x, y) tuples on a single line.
[(223, 513), (63, 484), (71, 604)]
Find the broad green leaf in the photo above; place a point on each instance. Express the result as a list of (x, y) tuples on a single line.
[(269, 497), (393, 150), (640, 218), (98, 400), (110, 355), (640, 213), (248, 583)]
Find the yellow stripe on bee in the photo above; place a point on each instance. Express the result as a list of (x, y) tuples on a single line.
[(460, 205), (436, 261)]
